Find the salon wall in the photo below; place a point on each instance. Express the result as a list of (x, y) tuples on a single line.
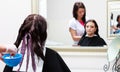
[(12, 14), (59, 12)]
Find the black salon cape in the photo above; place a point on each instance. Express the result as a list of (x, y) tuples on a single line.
[(53, 63), (91, 41)]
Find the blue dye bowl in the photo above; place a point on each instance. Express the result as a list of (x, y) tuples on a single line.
[(12, 60)]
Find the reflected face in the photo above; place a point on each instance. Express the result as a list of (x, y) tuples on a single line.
[(90, 28), (80, 12)]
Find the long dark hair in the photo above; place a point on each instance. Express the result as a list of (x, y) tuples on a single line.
[(36, 26), (96, 25), (76, 6), (118, 18), (118, 25)]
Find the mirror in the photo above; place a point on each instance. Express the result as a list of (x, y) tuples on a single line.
[(59, 12), (113, 18)]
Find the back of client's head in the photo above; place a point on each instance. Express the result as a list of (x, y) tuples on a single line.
[(36, 26)]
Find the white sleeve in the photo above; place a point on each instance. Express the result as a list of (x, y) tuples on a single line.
[(72, 24), (112, 22)]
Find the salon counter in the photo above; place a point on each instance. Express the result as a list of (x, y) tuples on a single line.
[(83, 59), (78, 48)]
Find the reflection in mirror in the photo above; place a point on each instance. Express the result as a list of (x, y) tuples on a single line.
[(113, 19), (59, 12)]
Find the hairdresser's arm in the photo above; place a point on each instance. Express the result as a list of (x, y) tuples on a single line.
[(74, 35), (2, 48), (114, 27)]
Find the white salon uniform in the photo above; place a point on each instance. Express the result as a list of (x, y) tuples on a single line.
[(79, 28), (113, 23), (39, 63)]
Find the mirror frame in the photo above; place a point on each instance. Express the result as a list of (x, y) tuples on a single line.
[(35, 6)]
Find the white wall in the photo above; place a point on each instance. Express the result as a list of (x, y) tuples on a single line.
[(12, 14), (59, 12)]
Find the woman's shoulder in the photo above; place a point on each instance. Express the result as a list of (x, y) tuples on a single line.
[(54, 62), (73, 23), (102, 40), (72, 20), (50, 51)]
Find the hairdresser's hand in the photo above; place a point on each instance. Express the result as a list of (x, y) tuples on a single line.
[(12, 52), (11, 49)]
